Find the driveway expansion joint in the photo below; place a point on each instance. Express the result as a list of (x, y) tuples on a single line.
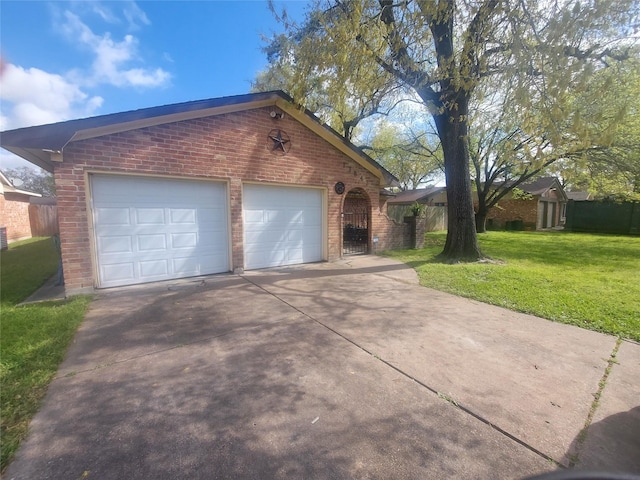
[(574, 457), (433, 390)]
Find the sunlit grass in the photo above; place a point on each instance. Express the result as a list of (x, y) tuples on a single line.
[(33, 338), (592, 281)]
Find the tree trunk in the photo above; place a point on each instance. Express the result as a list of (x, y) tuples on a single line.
[(481, 222), (482, 211), (462, 242)]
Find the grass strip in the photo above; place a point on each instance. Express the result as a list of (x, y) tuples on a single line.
[(591, 281), (33, 338)]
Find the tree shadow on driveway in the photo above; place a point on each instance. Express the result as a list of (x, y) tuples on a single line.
[(226, 381)]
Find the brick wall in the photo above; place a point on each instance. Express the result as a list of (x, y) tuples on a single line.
[(512, 209), (232, 148), (14, 215)]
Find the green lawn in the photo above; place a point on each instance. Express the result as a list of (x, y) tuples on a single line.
[(592, 281), (33, 338)]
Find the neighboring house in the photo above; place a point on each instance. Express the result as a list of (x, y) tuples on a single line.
[(433, 197), (14, 211), (546, 207), (204, 187), (579, 196)]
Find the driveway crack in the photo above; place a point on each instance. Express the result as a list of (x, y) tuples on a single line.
[(582, 436)]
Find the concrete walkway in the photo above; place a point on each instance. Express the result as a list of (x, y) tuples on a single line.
[(331, 370)]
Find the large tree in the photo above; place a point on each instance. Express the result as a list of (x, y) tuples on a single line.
[(609, 111), (415, 158), (441, 51), (592, 130)]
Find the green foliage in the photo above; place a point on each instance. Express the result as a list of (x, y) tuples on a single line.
[(33, 340), (444, 55), (590, 138), (591, 281), (412, 158), (519, 194), (417, 209), (37, 181), (608, 109)]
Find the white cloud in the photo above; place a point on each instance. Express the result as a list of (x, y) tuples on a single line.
[(35, 97), (104, 12), (111, 58), (32, 96), (134, 14), (108, 12)]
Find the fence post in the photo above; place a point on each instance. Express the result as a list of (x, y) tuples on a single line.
[(634, 219)]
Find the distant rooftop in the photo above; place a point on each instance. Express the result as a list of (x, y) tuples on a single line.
[(412, 196)]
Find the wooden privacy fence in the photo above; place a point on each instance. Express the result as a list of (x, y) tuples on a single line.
[(43, 220), (435, 218)]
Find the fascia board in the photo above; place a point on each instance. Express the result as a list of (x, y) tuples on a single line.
[(164, 119)]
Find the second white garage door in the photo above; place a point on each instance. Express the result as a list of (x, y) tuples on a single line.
[(282, 225), (149, 229)]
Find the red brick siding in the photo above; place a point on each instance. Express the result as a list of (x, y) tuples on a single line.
[(511, 209), (14, 208), (231, 148)]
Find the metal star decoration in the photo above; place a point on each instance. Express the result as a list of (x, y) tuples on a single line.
[(280, 141)]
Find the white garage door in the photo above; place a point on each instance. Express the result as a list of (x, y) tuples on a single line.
[(282, 226), (151, 229)]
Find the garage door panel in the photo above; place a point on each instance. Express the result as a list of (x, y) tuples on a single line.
[(282, 225), (115, 244), (184, 240), (294, 237), (150, 229), (266, 258), (112, 216), (253, 217), (183, 216), (151, 242), (153, 269), (188, 265), (118, 271), (150, 216), (295, 255), (311, 235)]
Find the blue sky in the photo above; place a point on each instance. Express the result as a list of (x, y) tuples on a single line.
[(65, 60)]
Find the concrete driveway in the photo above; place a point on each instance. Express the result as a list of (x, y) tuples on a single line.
[(332, 370)]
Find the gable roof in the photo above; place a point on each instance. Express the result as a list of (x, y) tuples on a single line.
[(412, 196), (540, 185), (536, 187), (44, 145)]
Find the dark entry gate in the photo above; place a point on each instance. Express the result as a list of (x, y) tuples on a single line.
[(355, 232)]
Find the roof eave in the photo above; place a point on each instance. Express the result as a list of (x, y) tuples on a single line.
[(47, 153), (170, 118), (40, 158)]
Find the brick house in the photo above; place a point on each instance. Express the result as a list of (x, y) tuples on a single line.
[(14, 211), (203, 187), (543, 207), (432, 196)]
